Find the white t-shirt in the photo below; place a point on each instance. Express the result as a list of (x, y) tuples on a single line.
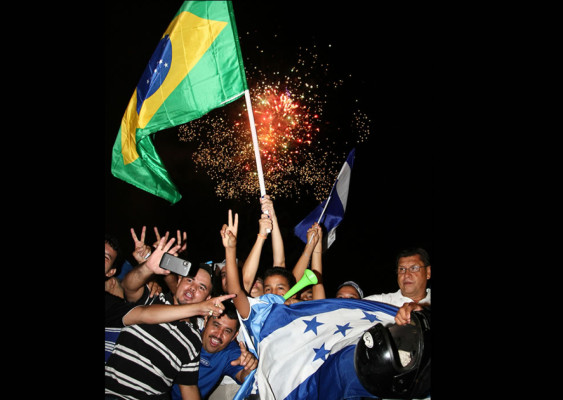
[(396, 298)]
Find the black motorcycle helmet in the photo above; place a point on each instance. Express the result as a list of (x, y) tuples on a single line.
[(393, 362)]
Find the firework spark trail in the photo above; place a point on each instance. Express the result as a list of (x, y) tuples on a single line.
[(298, 154)]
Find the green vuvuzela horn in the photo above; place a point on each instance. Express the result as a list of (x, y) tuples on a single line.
[(309, 278)]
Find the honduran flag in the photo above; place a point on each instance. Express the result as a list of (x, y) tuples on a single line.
[(334, 210), (306, 350)]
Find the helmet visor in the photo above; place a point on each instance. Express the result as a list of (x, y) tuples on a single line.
[(407, 340)]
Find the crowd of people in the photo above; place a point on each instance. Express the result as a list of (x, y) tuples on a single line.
[(170, 336)]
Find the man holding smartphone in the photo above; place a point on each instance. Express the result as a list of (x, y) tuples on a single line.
[(148, 359)]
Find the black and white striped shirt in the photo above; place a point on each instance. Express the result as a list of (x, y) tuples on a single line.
[(148, 359)]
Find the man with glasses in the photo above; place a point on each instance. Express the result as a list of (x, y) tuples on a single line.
[(413, 273)]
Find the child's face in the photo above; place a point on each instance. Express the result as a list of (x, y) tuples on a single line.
[(258, 288), (307, 294), (347, 292), (276, 284)]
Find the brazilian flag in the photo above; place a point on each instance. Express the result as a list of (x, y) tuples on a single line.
[(196, 67)]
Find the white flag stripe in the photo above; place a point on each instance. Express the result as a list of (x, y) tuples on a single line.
[(343, 185), (331, 237), (330, 212)]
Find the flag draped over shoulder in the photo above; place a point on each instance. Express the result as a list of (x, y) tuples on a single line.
[(299, 346), (196, 67), (334, 212)]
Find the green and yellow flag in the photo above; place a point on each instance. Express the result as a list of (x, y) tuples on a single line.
[(196, 67)]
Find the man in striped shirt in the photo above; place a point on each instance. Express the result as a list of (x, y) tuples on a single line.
[(149, 358)]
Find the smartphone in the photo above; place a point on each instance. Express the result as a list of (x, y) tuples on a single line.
[(175, 264)]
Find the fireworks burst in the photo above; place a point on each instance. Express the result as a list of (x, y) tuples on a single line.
[(299, 151)]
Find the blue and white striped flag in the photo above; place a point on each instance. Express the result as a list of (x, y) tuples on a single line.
[(334, 212), (299, 347)]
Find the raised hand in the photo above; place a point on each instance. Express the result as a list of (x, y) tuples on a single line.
[(313, 234), (265, 223), (182, 241), (267, 206), (153, 262), (229, 231), (246, 358), (157, 234), (213, 306), (142, 250)]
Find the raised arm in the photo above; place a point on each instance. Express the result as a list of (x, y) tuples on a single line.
[(229, 238), (317, 264), (161, 313), (278, 250), (303, 262), (135, 279), (250, 267), (142, 251)]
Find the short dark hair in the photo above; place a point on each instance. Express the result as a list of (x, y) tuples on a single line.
[(424, 257), (231, 311), (113, 242), (209, 269), (283, 272)]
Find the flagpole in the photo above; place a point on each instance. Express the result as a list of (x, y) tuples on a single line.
[(256, 149), (255, 142), (324, 209)]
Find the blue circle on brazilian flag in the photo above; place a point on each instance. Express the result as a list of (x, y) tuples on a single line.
[(155, 72)]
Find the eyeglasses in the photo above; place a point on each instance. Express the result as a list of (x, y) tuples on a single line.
[(413, 269)]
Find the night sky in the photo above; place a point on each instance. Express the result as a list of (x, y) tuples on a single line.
[(383, 55)]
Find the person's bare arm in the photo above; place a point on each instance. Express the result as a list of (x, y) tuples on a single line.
[(303, 262), (278, 251), (133, 283), (190, 392), (251, 264), (228, 235), (161, 313), (142, 251), (317, 265)]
